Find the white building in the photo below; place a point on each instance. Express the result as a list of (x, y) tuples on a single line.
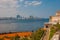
[(55, 19)]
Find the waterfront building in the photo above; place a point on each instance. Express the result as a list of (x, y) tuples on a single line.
[(19, 17), (53, 20), (56, 18)]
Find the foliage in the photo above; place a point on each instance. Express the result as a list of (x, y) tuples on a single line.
[(17, 37), (25, 38), (57, 25), (54, 29), (1, 39), (12, 38), (52, 32), (38, 34)]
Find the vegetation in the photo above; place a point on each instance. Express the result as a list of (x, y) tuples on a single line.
[(57, 26), (25, 38), (52, 32), (1, 39), (38, 34), (54, 29), (17, 37)]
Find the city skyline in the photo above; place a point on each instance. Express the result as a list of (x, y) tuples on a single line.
[(26, 8)]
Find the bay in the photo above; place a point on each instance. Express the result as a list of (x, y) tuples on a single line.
[(21, 25)]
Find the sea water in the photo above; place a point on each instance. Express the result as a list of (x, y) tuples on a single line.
[(21, 25)]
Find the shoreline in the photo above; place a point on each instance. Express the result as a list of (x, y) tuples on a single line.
[(15, 32)]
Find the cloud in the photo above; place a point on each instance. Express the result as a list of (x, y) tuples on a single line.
[(36, 3), (11, 7), (8, 7), (9, 3), (32, 3), (16, 3)]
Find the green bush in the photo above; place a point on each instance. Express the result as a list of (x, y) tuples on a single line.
[(52, 32), (57, 25), (25, 38), (38, 34)]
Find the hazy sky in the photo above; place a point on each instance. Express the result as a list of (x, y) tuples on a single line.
[(38, 8)]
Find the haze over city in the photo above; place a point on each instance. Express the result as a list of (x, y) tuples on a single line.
[(38, 8)]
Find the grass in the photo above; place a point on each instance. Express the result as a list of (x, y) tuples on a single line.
[(37, 35), (54, 29), (52, 32)]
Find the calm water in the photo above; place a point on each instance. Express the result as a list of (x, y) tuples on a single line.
[(13, 26)]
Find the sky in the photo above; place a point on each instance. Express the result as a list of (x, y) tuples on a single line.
[(26, 8)]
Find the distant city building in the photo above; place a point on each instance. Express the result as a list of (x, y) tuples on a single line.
[(31, 17), (19, 17)]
